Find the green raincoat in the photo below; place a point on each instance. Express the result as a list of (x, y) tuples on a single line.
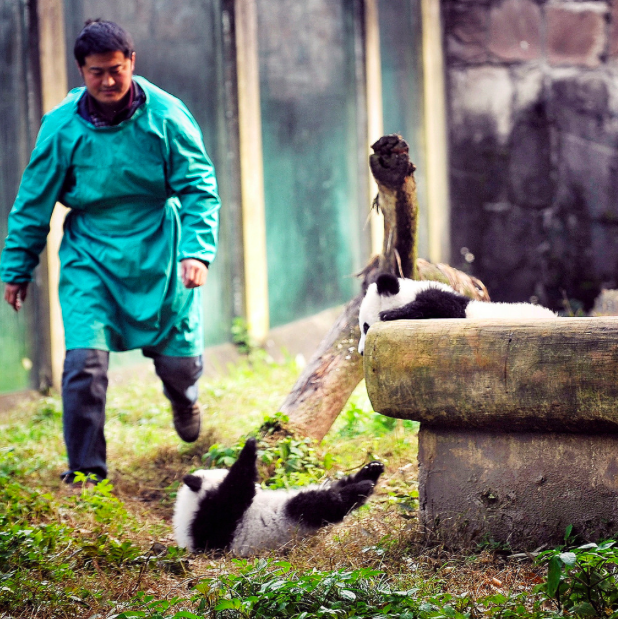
[(143, 197)]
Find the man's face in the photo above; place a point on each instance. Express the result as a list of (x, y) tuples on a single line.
[(108, 76)]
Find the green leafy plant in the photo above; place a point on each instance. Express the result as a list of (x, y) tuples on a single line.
[(295, 462), (241, 336), (359, 419), (284, 459), (35, 557), (273, 589), (583, 580), (99, 500), (289, 462), (220, 456)]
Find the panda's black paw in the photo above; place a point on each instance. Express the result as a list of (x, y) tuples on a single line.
[(251, 444), (387, 316), (371, 471)]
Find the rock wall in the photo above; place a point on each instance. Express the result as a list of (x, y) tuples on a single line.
[(532, 87)]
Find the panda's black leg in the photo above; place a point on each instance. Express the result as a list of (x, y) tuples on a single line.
[(242, 476), (221, 509), (430, 303), (316, 508)]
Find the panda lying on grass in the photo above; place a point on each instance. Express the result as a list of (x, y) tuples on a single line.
[(225, 510), (392, 298)]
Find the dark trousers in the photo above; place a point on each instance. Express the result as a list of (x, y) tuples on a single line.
[(84, 390)]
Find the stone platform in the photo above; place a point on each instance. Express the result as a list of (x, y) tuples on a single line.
[(519, 423)]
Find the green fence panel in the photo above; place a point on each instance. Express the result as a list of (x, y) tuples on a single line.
[(402, 90), (180, 48), (315, 195), (15, 143)]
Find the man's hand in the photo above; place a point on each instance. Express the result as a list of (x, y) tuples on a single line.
[(15, 294), (193, 273)]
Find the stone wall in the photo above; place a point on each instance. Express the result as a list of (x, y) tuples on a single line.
[(533, 136)]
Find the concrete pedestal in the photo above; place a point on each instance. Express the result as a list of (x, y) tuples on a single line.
[(519, 424), (522, 489)]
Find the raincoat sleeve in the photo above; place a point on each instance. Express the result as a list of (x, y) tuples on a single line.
[(28, 223), (191, 176)]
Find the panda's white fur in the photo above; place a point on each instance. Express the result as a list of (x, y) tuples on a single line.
[(265, 525), (226, 510), (391, 298)]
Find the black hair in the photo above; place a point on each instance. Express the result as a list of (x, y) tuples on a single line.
[(100, 37)]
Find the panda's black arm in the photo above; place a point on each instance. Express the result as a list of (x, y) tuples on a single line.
[(431, 303), (411, 311), (371, 471), (316, 508)]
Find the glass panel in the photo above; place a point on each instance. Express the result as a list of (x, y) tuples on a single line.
[(308, 81), (15, 144)]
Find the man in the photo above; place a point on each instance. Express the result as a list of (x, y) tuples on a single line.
[(128, 159)]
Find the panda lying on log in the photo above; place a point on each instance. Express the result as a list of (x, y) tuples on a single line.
[(392, 298), (226, 510)]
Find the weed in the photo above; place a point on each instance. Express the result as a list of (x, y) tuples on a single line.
[(98, 500), (358, 418), (404, 494), (241, 336), (295, 462), (285, 462), (34, 556), (274, 589), (583, 580), (219, 456)]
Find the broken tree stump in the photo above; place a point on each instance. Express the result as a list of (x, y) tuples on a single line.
[(463, 283), (394, 174), (519, 423), (330, 377)]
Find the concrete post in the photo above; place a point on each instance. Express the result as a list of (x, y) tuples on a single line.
[(519, 423)]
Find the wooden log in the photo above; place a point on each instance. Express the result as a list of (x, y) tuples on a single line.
[(465, 284), (330, 377), (559, 375)]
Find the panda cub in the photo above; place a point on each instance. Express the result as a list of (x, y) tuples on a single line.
[(227, 510), (392, 298)]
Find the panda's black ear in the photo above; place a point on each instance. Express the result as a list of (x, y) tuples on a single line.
[(387, 284), (193, 481)]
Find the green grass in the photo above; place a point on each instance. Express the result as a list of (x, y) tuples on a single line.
[(108, 552)]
